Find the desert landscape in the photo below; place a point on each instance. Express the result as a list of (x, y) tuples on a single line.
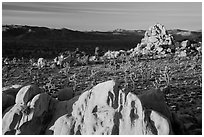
[(120, 82)]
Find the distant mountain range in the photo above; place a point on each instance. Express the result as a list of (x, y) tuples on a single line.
[(23, 40), (28, 29)]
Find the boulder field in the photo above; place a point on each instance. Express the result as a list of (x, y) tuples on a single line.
[(105, 109)]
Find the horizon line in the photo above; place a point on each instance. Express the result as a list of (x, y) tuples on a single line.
[(59, 28)]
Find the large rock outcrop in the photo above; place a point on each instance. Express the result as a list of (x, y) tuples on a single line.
[(105, 109), (29, 114), (156, 41)]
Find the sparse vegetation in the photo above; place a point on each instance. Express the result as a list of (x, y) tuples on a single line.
[(181, 75)]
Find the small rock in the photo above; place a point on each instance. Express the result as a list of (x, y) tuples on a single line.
[(198, 108), (65, 94), (173, 107), (185, 44), (182, 54)]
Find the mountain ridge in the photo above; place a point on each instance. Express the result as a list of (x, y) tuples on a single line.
[(19, 40), (115, 30)]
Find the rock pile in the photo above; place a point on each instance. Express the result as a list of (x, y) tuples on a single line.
[(113, 54), (156, 41), (186, 48), (104, 109)]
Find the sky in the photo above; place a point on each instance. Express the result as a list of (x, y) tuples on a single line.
[(104, 16)]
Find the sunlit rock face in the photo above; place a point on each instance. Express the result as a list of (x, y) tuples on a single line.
[(106, 109), (156, 40), (157, 35), (27, 119)]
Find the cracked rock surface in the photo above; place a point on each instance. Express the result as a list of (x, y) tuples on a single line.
[(105, 109)]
